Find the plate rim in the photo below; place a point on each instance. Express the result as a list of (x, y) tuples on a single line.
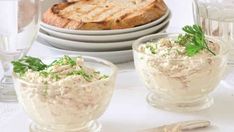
[(72, 44), (101, 38), (84, 46), (45, 43), (126, 55)]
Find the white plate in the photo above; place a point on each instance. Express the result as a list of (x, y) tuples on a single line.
[(84, 46), (92, 46), (105, 32), (107, 38), (113, 56)]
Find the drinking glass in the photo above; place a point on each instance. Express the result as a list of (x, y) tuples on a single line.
[(18, 29), (216, 17)]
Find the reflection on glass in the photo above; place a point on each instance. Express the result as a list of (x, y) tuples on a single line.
[(17, 33), (217, 19)]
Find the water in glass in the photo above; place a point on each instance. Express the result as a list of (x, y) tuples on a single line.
[(216, 17), (18, 28)]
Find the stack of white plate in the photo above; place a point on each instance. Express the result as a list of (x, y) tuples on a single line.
[(113, 45)]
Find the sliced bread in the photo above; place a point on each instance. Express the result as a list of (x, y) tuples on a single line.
[(104, 14)]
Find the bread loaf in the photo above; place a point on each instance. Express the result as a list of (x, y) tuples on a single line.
[(104, 14)]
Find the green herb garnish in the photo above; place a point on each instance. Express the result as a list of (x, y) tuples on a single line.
[(104, 77), (82, 73), (65, 60), (55, 76), (44, 73), (24, 64), (45, 91), (97, 72), (194, 40), (152, 49), (52, 75)]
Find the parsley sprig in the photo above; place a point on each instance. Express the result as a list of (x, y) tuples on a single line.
[(194, 40), (27, 62)]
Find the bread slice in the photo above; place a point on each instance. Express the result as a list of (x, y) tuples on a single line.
[(73, 0), (104, 14)]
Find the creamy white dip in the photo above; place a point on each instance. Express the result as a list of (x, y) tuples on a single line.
[(65, 95), (168, 71)]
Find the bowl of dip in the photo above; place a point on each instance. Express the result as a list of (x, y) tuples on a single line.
[(65, 94), (177, 79)]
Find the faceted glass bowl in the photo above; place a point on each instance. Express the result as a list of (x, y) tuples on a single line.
[(67, 107), (184, 90)]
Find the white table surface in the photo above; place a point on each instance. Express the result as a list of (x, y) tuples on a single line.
[(128, 110)]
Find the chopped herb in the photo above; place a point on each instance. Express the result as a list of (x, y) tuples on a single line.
[(55, 76), (65, 60), (194, 40), (82, 73), (178, 52), (45, 82), (45, 91), (151, 48), (44, 74), (49, 74), (104, 77), (97, 72)]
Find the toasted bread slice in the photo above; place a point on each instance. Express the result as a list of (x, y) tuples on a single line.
[(104, 14)]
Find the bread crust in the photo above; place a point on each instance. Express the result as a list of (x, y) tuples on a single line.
[(115, 16)]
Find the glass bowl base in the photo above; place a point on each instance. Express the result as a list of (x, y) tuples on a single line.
[(93, 126), (7, 91), (170, 105)]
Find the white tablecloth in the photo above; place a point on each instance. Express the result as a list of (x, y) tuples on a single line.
[(128, 110)]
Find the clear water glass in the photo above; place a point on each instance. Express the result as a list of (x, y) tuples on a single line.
[(216, 17), (18, 29)]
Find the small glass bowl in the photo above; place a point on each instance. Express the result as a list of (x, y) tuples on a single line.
[(182, 91), (73, 110)]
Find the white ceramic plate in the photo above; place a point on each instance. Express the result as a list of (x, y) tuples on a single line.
[(92, 46), (105, 32), (107, 38), (113, 56), (84, 46)]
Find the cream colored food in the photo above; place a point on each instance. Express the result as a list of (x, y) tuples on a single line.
[(167, 70), (67, 95)]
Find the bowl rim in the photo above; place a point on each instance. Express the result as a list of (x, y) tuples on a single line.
[(224, 49), (109, 64)]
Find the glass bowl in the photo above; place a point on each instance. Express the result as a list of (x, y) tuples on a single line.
[(183, 90), (67, 107)]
